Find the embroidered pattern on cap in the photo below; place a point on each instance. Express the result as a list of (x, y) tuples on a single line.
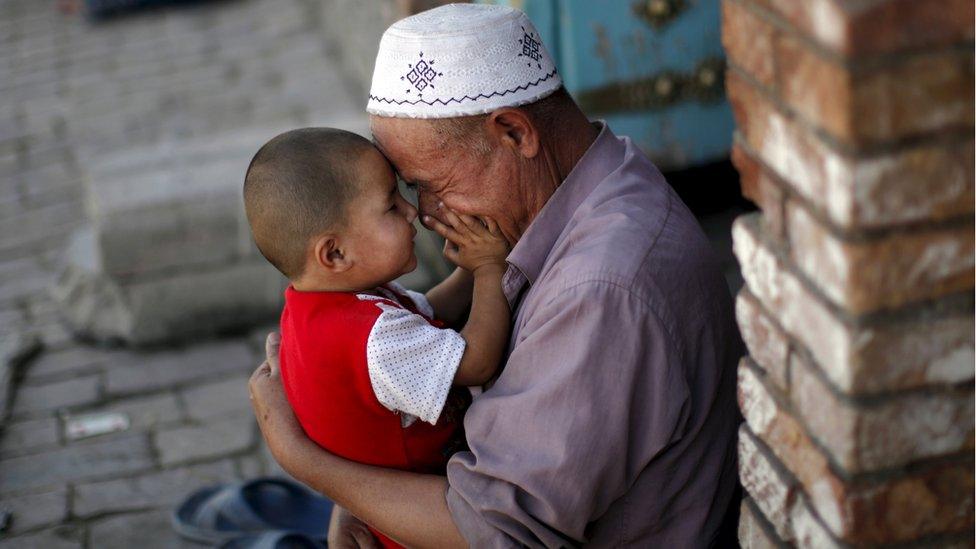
[(422, 75), (530, 48)]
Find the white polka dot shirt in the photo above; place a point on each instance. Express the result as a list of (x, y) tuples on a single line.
[(411, 362)]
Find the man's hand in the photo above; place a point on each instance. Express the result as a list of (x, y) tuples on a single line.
[(278, 423), (281, 430), (409, 507), (471, 243)]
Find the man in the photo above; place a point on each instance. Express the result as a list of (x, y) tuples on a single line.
[(614, 420)]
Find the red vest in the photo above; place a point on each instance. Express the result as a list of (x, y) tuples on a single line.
[(326, 378)]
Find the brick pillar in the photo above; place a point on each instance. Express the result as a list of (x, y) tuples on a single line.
[(855, 138)]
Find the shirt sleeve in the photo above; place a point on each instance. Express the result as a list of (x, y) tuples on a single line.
[(419, 299), (411, 363), (590, 394)]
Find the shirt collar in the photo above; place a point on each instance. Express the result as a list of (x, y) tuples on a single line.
[(602, 157)]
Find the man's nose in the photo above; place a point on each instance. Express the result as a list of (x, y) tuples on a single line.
[(427, 204)]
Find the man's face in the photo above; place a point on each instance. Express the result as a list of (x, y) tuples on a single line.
[(476, 184)]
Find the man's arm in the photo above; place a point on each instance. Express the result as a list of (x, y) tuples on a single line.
[(408, 507)]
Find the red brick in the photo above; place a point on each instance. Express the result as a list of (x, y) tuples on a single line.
[(881, 272), (767, 343), (761, 188), (884, 433), (754, 531), (859, 357), (857, 29), (817, 88), (748, 40), (929, 181), (773, 492), (858, 103), (885, 509), (920, 94), (782, 510)]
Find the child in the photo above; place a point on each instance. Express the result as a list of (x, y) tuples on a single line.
[(368, 366)]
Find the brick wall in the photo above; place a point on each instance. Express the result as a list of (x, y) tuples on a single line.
[(855, 138)]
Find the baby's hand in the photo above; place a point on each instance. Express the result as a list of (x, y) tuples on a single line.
[(470, 243)]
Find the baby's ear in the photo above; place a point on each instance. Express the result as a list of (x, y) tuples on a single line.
[(330, 255)]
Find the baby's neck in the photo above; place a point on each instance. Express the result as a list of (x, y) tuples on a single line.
[(322, 286)]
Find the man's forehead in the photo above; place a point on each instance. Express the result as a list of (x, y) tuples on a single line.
[(404, 144)]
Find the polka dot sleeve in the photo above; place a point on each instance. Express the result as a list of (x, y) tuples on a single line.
[(419, 299), (412, 363)]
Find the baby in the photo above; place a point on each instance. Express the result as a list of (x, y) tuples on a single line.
[(368, 366)]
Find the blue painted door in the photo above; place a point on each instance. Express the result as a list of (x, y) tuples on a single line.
[(653, 69)]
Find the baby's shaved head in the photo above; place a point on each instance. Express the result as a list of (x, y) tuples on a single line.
[(298, 186)]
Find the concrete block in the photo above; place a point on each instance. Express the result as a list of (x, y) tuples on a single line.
[(32, 511), (158, 490), (90, 460), (167, 253), (212, 440), (225, 397), (139, 372), (21, 437)]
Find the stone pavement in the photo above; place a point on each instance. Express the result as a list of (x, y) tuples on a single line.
[(73, 93)]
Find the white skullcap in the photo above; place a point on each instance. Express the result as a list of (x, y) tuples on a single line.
[(460, 60)]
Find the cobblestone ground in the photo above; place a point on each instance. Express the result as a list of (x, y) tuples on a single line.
[(71, 92)]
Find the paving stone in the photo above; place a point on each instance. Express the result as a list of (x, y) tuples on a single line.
[(216, 399), (23, 436), (15, 350), (33, 511), (138, 372), (251, 466), (150, 530), (215, 439), (11, 320), (90, 460), (78, 359), (17, 287), (55, 335), (57, 395), (62, 537), (148, 411), (162, 489)]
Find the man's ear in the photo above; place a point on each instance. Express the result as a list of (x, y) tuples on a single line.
[(513, 128), (330, 255)]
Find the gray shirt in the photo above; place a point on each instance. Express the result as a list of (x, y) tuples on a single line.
[(614, 420)]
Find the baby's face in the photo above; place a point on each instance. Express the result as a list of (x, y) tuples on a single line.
[(380, 227)]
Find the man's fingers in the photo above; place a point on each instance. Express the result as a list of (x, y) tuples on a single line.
[(260, 374), (271, 347), (440, 228)]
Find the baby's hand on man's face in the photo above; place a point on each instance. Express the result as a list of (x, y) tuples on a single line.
[(471, 242)]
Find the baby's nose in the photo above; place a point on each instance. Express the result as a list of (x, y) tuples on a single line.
[(411, 212)]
